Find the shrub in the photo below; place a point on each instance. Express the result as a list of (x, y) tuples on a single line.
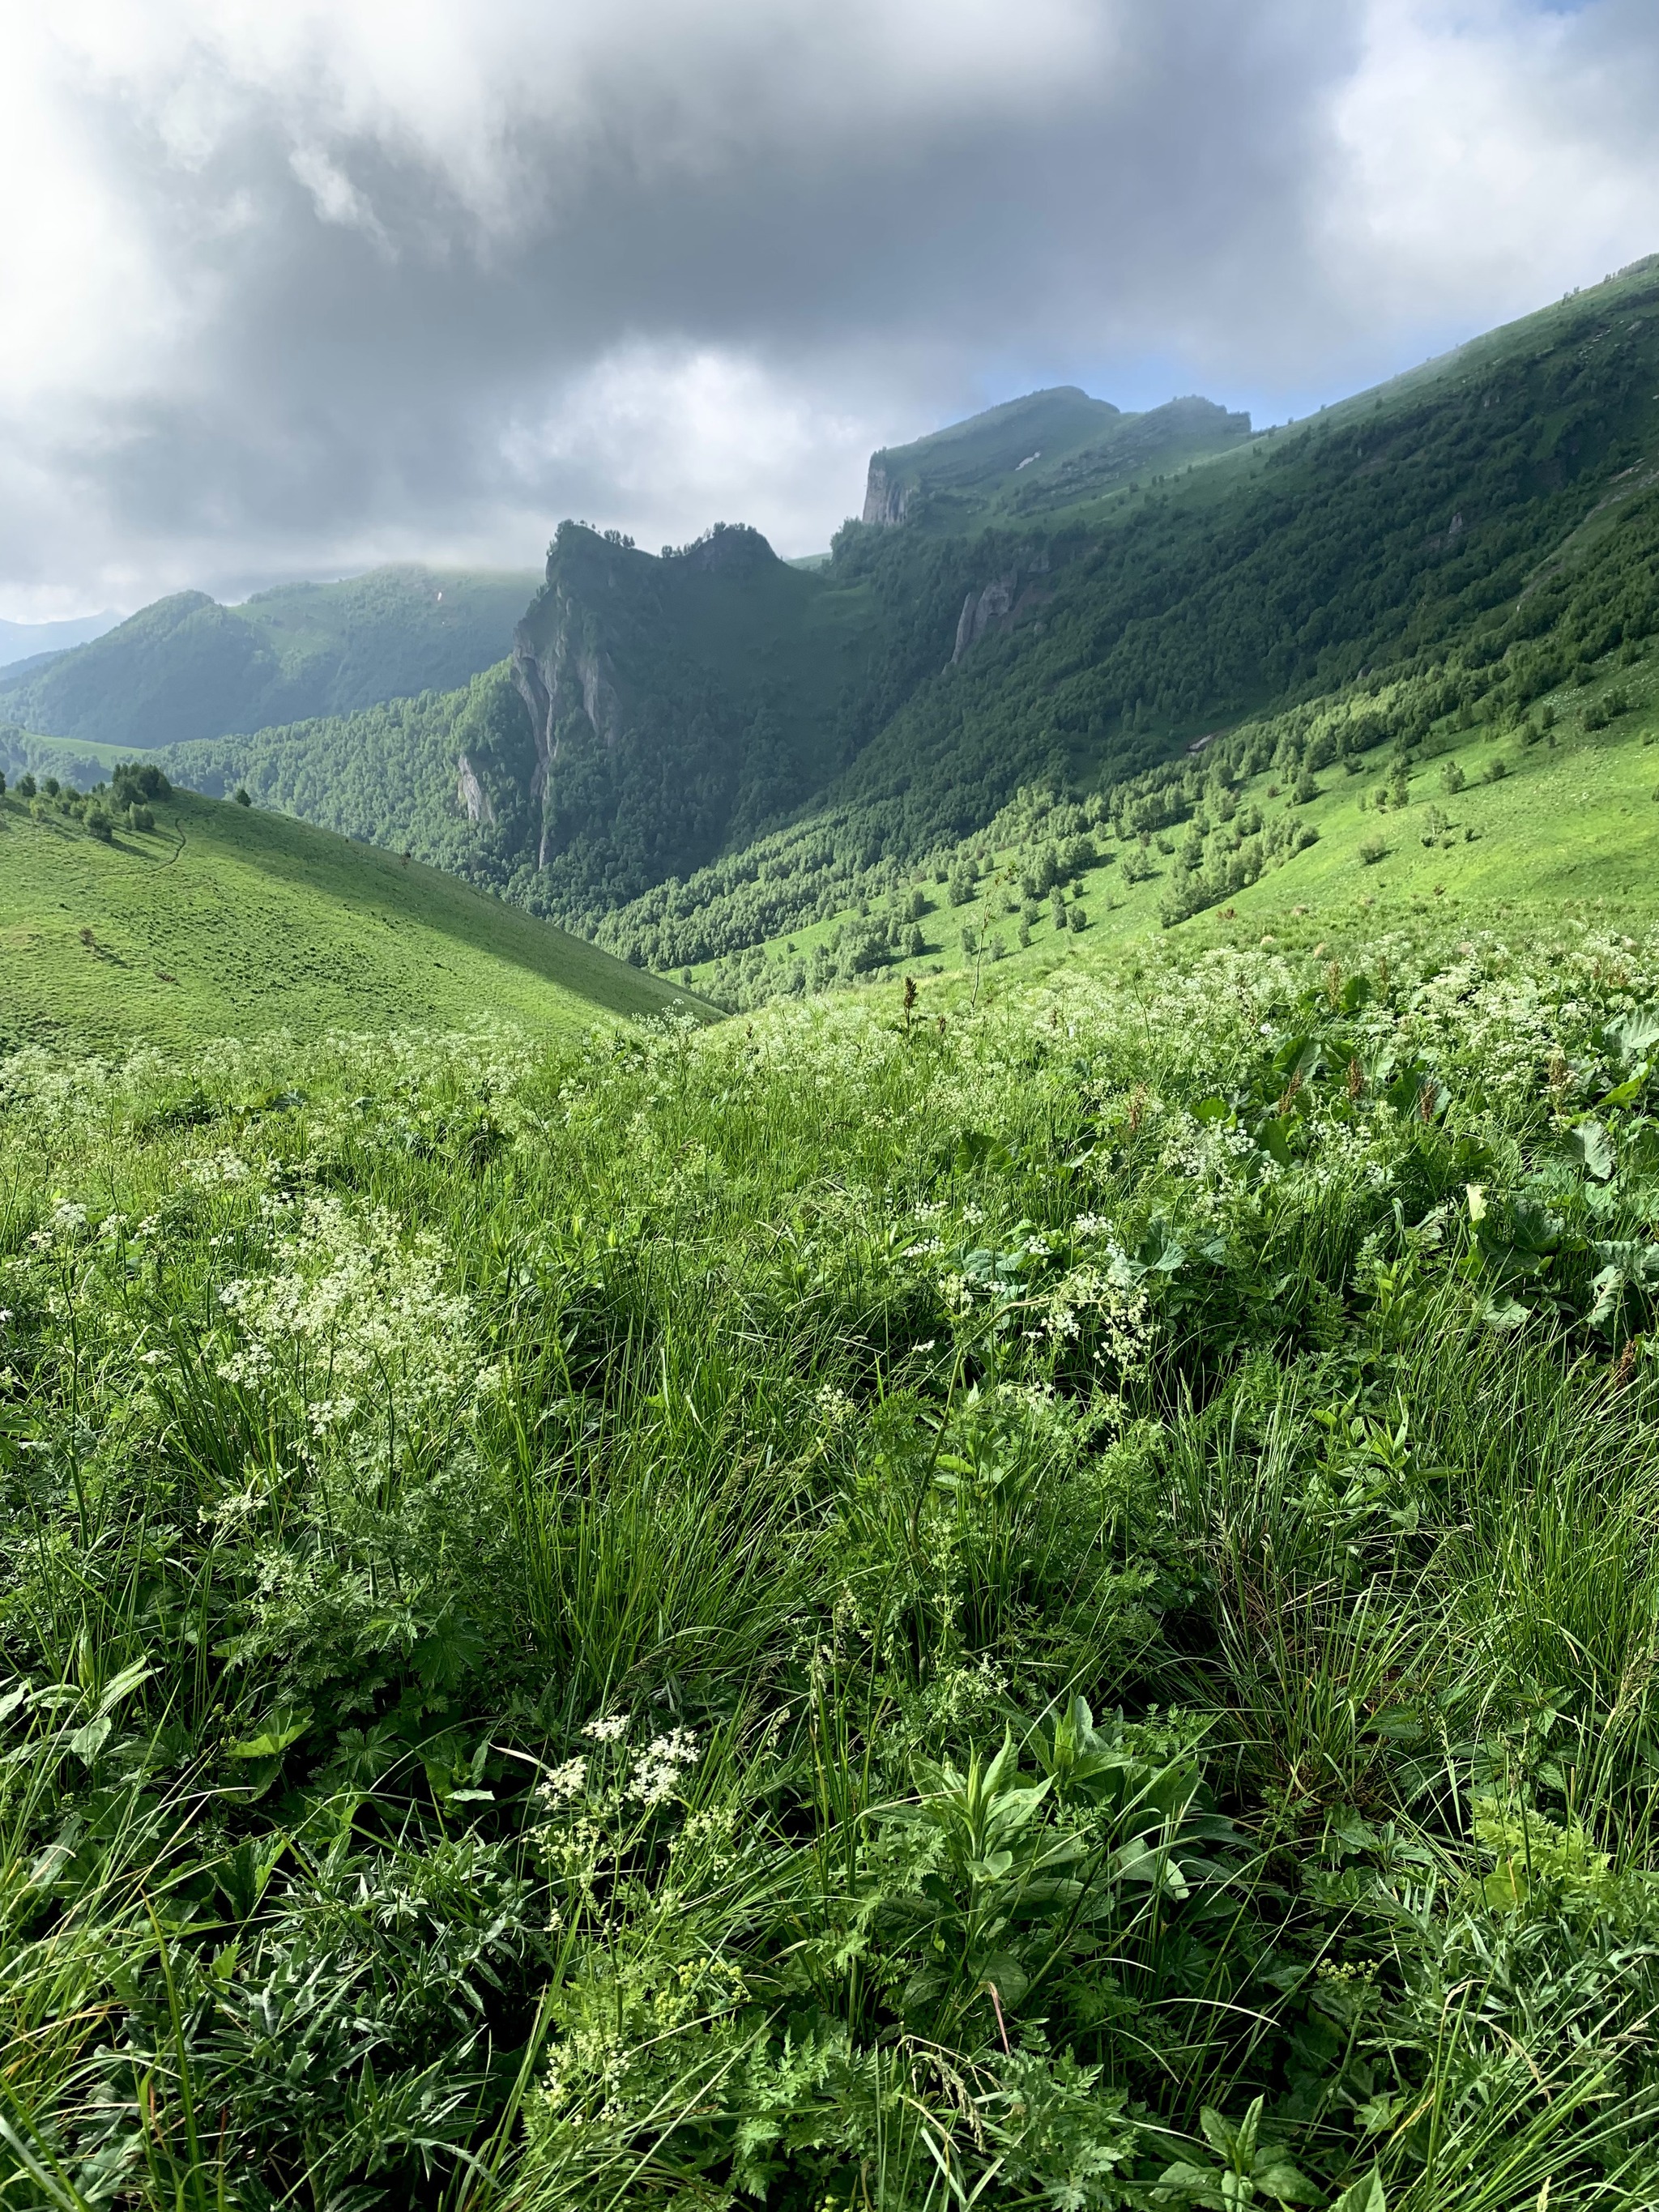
[(135, 781), (100, 824), (242, 798), (1374, 848), (1494, 772), (26, 785), (1077, 921)]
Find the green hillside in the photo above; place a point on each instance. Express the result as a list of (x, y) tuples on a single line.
[(187, 667), (1050, 449), (1531, 817), (222, 920)]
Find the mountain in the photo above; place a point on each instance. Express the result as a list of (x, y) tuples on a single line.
[(216, 920), (186, 667), (655, 713), (34, 641), (686, 754), (1047, 451)]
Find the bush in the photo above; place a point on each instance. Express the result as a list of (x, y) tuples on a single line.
[(242, 798), (1494, 772), (100, 824), (1077, 921), (26, 785), (135, 781), (1373, 850)]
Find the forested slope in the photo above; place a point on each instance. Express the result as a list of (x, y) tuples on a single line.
[(187, 667)]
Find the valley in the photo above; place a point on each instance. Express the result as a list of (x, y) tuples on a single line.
[(838, 1391)]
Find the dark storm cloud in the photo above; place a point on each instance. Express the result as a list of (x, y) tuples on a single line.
[(414, 307)]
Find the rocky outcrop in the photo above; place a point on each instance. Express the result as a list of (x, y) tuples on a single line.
[(886, 500), (560, 671), (470, 794), (981, 608), (1001, 601)]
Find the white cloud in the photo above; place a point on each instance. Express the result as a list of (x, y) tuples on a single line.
[(1490, 157), (286, 288)]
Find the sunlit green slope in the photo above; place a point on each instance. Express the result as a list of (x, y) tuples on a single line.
[(1551, 813), (227, 921)]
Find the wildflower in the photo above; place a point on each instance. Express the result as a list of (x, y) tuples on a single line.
[(657, 1776), (562, 1783), (607, 1727)]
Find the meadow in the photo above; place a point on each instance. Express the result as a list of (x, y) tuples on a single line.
[(219, 919), (878, 1605)]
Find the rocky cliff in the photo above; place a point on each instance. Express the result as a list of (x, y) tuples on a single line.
[(886, 500)]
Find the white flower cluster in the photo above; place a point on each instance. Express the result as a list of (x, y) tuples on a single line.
[(220, 1170), (665, 1758), (351, 1308)]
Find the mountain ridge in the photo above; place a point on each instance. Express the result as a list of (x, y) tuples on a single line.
[(188, 668), (1046, 449)]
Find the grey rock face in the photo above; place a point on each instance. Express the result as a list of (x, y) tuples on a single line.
[(560, 671), (471, 794), (886, 502), (981, 608)]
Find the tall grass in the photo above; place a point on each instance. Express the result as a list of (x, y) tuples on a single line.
[(1056, 1608)]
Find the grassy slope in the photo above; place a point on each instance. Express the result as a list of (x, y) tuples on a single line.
[(506, 1580), (1573, 824), (227, 921)]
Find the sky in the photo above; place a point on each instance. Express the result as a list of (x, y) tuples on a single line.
[(288, 291)]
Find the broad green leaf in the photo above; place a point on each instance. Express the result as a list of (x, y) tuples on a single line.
[(123, 1684), (1633, 1033), (274, 1734), (1591, 1146), (87, 1742), (1274, 1138), (1281, 2180), (1219, 2131), (1366, 2195)]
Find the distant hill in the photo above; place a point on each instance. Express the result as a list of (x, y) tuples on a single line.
[(186, 667), (21, 641), (222, 920), (1048, 450)]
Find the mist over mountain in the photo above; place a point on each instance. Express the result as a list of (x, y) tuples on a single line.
[(32, 640)]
